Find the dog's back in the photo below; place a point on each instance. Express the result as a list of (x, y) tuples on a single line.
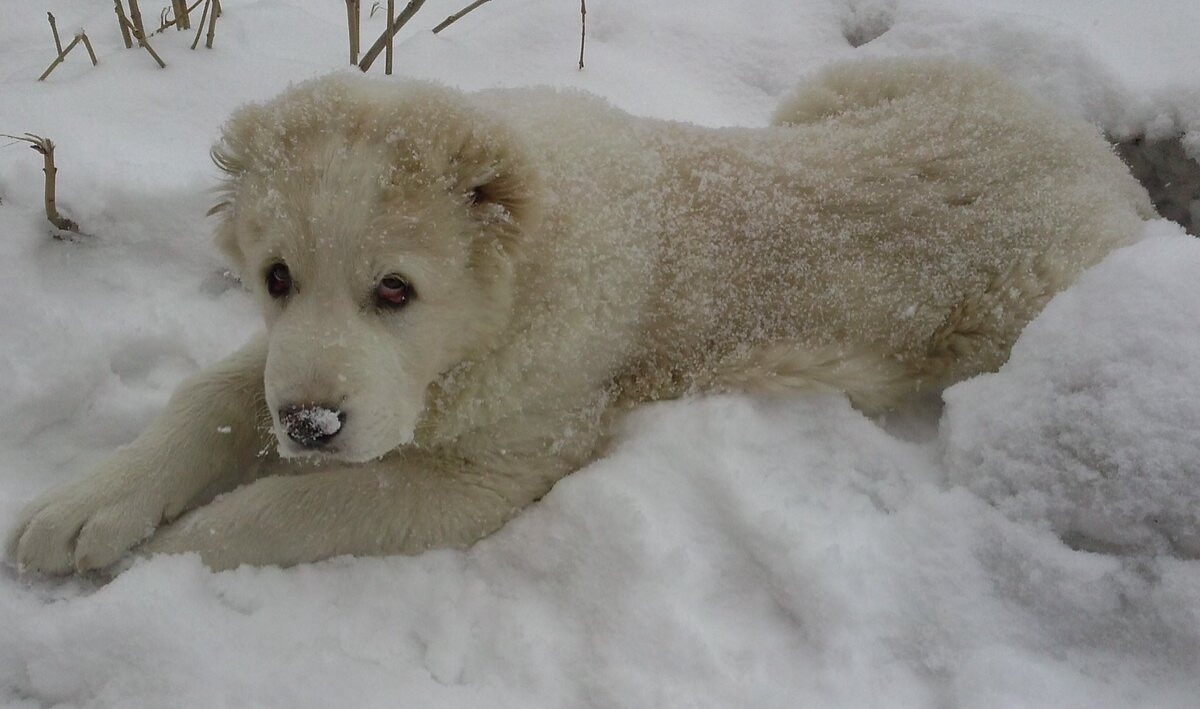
[(914, 213)]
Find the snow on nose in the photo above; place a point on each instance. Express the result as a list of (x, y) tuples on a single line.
[(311, 426)]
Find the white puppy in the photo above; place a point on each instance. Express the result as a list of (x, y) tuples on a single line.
[(462, 290)]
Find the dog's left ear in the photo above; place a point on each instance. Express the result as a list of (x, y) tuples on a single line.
[(490, 172)]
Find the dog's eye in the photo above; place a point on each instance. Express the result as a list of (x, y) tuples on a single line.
[(393, 292), (279, 280)]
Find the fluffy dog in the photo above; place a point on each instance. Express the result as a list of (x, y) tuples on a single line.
[(461, 291)]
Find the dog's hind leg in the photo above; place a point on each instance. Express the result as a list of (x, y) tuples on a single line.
[(872, 381), (978, 335)]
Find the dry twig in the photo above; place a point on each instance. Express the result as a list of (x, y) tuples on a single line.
[(164, 23), (353, 19), (62, 54), (45, 146), (141, 39), (54, 29), (456, 16), (182, 20), (87, 44), (59, 59), (582, 29), (212, 23), (123, 22), (135, 14), (386, 38), (387, 51), (200, 26), (135, 28)]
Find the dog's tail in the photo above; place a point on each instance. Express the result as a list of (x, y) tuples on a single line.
[(864, 84), (1163, 166), (873, 382)]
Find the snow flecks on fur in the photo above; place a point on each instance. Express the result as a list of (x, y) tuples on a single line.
[(881, 210), (865, 246)]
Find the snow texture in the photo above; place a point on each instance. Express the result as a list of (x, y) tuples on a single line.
[(1035, 547), (1093, 424)]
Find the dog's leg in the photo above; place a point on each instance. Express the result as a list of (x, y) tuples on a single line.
[(872, 381), (207, 441), (405, 504)]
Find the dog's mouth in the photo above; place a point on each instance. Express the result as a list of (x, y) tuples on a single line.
[(293, 451), (345, 430), (342, 452)]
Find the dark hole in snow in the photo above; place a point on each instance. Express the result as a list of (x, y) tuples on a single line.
[(1168, 174)]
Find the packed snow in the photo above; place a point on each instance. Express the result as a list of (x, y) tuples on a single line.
[(1092, 426), (1034, 543)]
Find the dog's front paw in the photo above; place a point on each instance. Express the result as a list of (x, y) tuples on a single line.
[(85, 526), (234, 529), (275, 521), (208, 532)]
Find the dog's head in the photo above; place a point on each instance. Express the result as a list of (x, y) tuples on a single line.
[(380, 226)]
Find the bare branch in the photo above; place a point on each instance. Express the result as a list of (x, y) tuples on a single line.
[(394, 27), (353, 19), (62, 53), (387, 50), (59, 59), (165, 23), (54, 29), (45, 146), (183, 20), (200, 25), (123, 22), (87, 44), (212, 23), (458, 15), (582, 29), (135, 15), (141, 38), (139, 32)]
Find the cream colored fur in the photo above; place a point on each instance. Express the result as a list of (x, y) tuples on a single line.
[(894, 230)]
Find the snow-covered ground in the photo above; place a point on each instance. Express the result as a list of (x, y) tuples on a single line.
[(1034, 544)]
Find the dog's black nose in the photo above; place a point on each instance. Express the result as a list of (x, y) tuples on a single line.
[(311, 426)]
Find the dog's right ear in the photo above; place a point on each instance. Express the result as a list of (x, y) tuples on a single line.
[(231, 156), (226, 236)]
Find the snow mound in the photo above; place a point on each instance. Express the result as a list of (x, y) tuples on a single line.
[(730, 552), (1093, 426)]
